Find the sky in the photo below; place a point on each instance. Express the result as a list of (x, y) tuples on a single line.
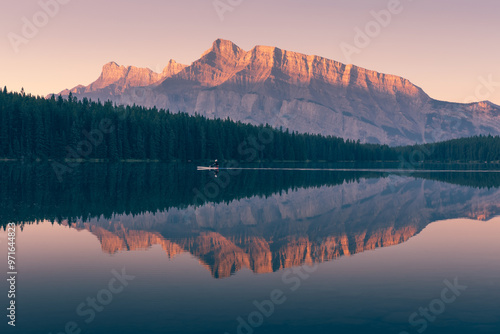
[(449, 48)]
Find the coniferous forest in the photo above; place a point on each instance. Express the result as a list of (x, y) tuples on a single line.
[(69, 129), (31, 191)]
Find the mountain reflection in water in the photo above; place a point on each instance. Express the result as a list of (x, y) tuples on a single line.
[(264, 221)]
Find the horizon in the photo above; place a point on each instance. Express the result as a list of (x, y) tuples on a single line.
[(375, 35)]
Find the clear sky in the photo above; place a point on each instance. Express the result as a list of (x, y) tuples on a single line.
[(443, 46)]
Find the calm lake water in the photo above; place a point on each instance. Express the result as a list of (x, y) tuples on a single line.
[(152, 248)]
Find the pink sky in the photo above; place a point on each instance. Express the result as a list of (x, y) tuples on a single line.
[(443, 46)]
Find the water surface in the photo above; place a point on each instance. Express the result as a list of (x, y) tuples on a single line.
[(345, 252)]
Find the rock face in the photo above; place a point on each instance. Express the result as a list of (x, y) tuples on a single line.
[(115, 79), (125, 240), (303, 226), (296, 91)]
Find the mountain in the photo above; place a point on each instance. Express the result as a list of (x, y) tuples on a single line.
[(288, 229), (296, 91), (115, 80)]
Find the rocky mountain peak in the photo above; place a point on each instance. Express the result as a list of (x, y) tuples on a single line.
[(172, 69), (111, 72), (224, 48), (304, 93), (111, 65)]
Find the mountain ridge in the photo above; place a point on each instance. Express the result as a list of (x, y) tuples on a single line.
[(303, 226), (303, 93), (121, 77)]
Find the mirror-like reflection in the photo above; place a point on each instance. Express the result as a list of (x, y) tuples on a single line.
[(33, 192), (299, 227), (204, 250), (264, 221)]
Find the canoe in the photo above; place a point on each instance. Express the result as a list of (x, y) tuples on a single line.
[(207, 168)]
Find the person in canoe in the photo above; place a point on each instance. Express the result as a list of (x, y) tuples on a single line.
[(215, 165)]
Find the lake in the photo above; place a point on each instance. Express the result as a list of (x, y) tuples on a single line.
[(163, 248)]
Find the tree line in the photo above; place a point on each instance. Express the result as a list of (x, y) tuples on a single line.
[(65, 129), (31, 191), (481, 149)]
